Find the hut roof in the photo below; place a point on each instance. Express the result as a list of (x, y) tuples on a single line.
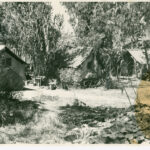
[(138, 55), (4, 48), (80, 58)]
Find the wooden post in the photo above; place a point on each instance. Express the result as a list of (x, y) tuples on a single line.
[(135, 68), (147, 59), (40, 81)]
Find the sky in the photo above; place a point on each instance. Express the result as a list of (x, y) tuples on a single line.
[(59, 9)]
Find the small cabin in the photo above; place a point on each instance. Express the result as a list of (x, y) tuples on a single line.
[(86, 63), (134, 62), (8, 59)]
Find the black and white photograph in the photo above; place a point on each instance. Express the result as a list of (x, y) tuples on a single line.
[(75, 72)]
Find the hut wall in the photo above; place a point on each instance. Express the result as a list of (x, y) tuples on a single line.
[(16, 65)]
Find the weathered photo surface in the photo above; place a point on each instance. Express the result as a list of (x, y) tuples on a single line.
[(74, 73)]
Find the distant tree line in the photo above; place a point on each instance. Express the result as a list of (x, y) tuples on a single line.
[(109, 27)]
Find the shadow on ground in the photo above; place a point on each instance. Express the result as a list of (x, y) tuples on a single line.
[(14, 111), (75, 116), (94, 125), (28, 89)]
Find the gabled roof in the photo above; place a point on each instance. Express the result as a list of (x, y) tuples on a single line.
[(4, 48), (138, 55), (80, 58)]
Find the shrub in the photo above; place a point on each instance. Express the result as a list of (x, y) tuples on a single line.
[(70, 76), (111, 84), (14, 111), (146, 76), (5, 98), (89, 83), (66, 75)]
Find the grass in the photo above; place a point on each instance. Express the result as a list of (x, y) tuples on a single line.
[(25, 121), (35, 123), (95, 125), (76, 115), (46, 120), (14, 111)]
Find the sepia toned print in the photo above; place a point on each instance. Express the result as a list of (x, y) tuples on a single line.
[(74, 73)]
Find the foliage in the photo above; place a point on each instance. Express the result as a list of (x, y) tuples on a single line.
[(25, 121), (13, 111), (31, 30), (79, 114), (111, 84), (109, 20), (89, 82), (107, 125), (70, 76), (145, 74), (108, 27)]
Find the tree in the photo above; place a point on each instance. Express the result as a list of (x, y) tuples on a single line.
[(108, 27), (31, 30), (1, 14)]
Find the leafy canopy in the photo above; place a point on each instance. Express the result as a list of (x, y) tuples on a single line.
[(31, 30), (109, 27)]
